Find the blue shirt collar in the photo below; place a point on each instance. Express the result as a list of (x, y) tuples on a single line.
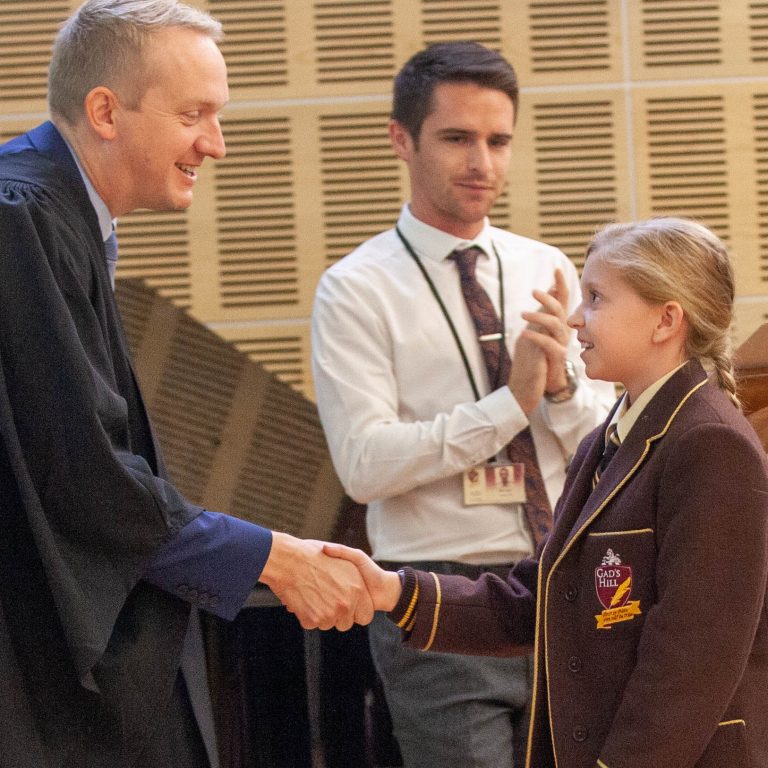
[(106, 222)]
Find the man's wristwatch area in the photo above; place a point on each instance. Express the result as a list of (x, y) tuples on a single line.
[(568, 391)]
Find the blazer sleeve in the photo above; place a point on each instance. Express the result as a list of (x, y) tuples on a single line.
[(485, 617), (214, 562)]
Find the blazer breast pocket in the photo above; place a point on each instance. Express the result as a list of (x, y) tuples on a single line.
[(728, 747), (619, 568)]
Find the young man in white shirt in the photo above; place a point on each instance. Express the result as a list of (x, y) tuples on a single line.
[(411, 415)]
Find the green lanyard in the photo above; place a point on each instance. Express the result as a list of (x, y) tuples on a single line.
[(433, 288)]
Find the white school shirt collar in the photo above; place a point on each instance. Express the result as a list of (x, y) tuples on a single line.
[(625, 417), (432, 243)]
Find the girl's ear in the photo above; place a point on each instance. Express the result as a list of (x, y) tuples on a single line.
[(672, 323)]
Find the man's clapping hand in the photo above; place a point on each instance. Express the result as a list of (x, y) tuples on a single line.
[(541, 348)]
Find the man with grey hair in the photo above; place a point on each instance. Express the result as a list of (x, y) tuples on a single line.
[(104, 564)]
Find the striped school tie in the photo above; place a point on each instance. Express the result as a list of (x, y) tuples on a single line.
[(612, 444)]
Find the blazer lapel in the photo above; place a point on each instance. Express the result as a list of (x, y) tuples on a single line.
[(576, 494), (650, 427)]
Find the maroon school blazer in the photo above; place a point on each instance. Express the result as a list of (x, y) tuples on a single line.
[(646, 605)]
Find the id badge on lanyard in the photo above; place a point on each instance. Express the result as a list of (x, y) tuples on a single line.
[(498, 482)]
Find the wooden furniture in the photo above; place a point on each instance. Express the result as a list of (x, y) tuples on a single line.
[(752, 380)]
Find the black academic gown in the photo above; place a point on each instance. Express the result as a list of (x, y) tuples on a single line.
[(89, 653)]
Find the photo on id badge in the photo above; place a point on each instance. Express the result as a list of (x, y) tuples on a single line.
[(495, 483)]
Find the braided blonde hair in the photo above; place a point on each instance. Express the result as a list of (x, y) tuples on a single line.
[(675, 259)]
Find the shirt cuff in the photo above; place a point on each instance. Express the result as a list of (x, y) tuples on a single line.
[(502, 409), (212, 562)]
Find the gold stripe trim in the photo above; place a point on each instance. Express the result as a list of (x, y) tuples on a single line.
[(536, 641), (438, 599), (545, 597), (733, 722), (411, 606), (601, 764), (620, 533)]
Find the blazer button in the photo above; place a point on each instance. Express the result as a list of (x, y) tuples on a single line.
[(182, 589), (571, 594), (574, 664), (580, 733), (192, 594)]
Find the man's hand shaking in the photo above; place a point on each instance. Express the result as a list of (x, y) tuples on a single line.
[(327, 585)]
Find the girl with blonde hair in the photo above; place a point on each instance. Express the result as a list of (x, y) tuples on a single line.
[(647, 601)]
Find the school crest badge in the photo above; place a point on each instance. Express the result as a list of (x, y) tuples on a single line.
[(613, 584)]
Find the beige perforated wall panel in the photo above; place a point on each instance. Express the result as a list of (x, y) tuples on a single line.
[(360, 179), (705, 38), (750, 315), (555, 42), (628, 108), (234, 437), (699, 154), (281, 349), (569, 169), (13, 127), (155, 247), (27, 29)]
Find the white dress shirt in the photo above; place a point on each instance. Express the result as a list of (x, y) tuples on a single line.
[(396, 402)]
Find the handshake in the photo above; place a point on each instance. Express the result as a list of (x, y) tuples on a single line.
[(328, 585)]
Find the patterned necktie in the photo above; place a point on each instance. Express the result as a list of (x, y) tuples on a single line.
[(612, 444), (498, 363), (110, 253), (484, 317)]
